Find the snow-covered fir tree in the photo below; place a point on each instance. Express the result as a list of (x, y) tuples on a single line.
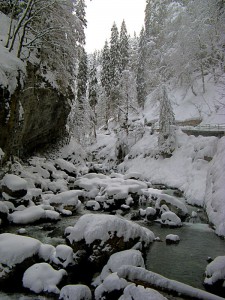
[(166, 138), (141, 69), (93, 93), (123, 47), (80, 111)]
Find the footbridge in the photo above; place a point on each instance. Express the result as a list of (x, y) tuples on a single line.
[(217, 130)]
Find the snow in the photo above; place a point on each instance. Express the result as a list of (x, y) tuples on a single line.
[(111, 283), (215, 189), (66, 166), (173, 237), (14, 182), (160, 282), (43, 278), (170, 218), (91, 227), (14, 249), (186, 169), (66, 198), (215, 271), (133, 292), (75, 292), (127, 257), (32, 214), (63, 256)]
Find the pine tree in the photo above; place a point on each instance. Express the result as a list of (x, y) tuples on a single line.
[(105, 73), (166, 138), (93, 94), (80, 107), (114, 70), (124, 47), (141, 70), (114, 55)]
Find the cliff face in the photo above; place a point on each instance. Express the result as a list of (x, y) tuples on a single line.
[(33, 116)]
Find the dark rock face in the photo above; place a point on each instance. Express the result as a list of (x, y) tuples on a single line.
[(34, 116)]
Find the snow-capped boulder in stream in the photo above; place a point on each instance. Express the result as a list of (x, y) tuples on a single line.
[(17, 253), (102, 235), (129, 257), (215, 276)]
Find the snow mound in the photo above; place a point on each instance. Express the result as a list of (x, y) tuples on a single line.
[(14, 249), (215, 271), (43, 278), (91, 227), (127, 257), (215, 189), (110, 284), (32, 214), (75, 292), (133, 292)]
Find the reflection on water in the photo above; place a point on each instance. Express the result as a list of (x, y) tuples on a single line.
[(185, 262)]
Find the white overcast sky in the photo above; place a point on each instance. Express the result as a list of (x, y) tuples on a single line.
[(101, 14)]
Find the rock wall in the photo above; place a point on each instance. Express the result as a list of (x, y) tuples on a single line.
[(33, 117)]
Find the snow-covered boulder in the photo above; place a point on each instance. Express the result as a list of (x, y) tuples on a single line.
[(127, 257), (63, 256), (14, 186), (102, 235), (66, 166), (33, 214), (172, 239), (16, 254), (92, 205), (111, 288), (215, 276), (42, 277), (175, 205), (68, 200), (170, 219), (133, 292), (75, 292)]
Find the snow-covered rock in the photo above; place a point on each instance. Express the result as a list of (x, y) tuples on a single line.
[(33, 214), (14, 186), (133, 292), (102, 235), (16, 254), (68, 200), (92, 205), (215, 275), (170, 219), (66, 166), (172, 239), (75, 292), (42, 277), (63, 256), (127, 257), (112, 285)]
